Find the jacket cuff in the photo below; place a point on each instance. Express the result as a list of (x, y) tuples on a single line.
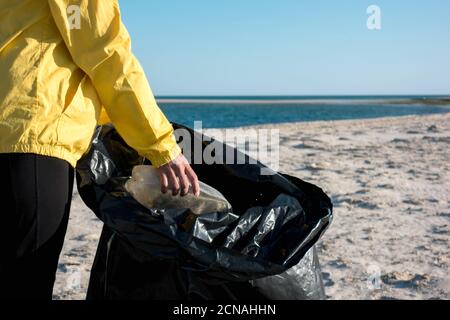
[(164, 157)]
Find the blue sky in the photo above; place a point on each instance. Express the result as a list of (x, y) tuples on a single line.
[(276, 47)]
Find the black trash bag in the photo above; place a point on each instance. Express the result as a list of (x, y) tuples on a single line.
[(301, 282), (173, 254)]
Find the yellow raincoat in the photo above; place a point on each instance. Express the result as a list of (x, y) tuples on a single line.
[(65, 66)]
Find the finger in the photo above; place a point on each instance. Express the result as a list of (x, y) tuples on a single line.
[(173, 182), (164, 182), (193, 180), (183, 179)]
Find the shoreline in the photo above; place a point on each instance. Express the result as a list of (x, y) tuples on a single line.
[(307, 101), (343, 122)]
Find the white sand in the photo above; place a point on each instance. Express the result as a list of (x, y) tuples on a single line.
[(389, 180)]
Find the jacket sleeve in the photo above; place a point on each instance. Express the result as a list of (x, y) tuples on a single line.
[(100, 45)]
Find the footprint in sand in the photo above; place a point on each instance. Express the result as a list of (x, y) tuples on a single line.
[(406, 280), (433, 128), (81, 237), (338, 264), (365, 205), (440, 241), (414, 202), (397, 140), (62, 267), (441, 230), (309, 147), (388, 298), (68, 265), (433, 176), (392, 165), (78, 252), (327, 281), (385, 186), (314, 167), (444, 214), (410, 210), (437, 139)]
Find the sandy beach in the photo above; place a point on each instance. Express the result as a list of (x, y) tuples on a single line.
[(389, 180)]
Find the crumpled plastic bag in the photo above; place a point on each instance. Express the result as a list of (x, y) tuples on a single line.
[(276, 220), (301, 282)]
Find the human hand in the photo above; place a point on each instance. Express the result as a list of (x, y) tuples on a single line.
[(177, 176)]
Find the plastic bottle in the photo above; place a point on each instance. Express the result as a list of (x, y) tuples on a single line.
[(144, 185)]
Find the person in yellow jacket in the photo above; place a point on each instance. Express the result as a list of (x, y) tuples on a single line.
[(65, 66)]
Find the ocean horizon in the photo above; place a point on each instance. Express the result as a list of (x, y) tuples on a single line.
[(237, 111)]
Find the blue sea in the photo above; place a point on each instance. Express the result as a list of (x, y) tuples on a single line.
[(236, 111)]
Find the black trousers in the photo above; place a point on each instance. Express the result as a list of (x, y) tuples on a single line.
[(35, 197)]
